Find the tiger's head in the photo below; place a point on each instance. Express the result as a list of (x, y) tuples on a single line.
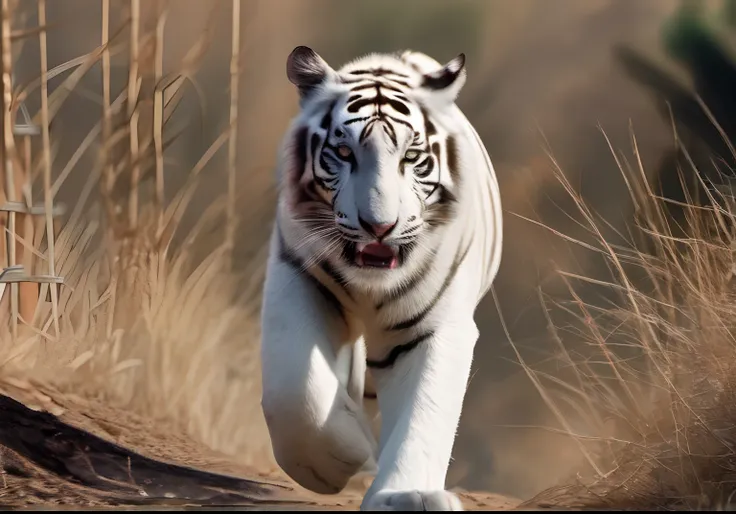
[(375, 160)]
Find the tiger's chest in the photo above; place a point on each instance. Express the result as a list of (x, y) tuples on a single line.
[(386, 318)]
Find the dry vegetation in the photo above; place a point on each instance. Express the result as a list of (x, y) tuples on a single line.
[(654, 383), (140, 321), (146, 326)]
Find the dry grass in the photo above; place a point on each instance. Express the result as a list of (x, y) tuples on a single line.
[(654, 381), (140, 322)]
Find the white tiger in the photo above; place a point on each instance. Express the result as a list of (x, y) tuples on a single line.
[(387, 236)]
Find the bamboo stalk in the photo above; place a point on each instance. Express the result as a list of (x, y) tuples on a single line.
[(135, 11), (233, 141), (46, 143), (158, 112), (8, 146)]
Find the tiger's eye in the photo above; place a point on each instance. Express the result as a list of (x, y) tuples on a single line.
[(411, 155), (344, 151)]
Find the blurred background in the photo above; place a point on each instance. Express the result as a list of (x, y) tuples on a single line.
[(542, 77)]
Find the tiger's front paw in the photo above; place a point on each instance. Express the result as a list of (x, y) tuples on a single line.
[(412, 501)]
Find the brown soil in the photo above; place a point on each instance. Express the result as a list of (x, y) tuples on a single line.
[(57, 449)]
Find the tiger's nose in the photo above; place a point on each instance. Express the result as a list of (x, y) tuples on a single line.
[(379, 230)]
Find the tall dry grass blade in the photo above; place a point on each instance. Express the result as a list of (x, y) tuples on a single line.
[(158, 112), (233, 143), (106, 184), (8, 151), (132, 111), (47, 188), (28, 290)]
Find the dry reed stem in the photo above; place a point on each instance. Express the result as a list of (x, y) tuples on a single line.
[(158, 112), (233, 142), (28, 290), (47, 191), (107, 181), (133, 113), (9, 147)]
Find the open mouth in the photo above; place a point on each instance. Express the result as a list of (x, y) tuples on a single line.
[(376, 255)]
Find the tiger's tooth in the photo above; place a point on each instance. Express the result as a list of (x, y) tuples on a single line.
[(361, 246)]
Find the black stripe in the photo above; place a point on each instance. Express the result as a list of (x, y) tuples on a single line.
[(356, 104), (362, 87), (392, 87), (398, 106), (359, 104), (349, 250), (308, 193), (402, 290), (371, 85), (323, 184), (390, 132), (398, 120), (436, 184), (452, 158), (443, 210), (335, 276), (369, 396), (300, 154), (327, 118), (394, 82), (429, 128), (437, 151), (325, 166), (346, 80), (448, 280), (356, 120), (398, 351), (314, 145), (290, 258), (379, 72), (367, 129)]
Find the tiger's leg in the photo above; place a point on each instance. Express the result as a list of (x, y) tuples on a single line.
[(351, 369), (420, 398), (318, 433)]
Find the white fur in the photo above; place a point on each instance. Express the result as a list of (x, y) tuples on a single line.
[(314, 362)]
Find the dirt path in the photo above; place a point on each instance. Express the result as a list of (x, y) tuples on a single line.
[(60, 450)]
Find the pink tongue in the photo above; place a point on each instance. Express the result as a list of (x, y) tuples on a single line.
[(378, 256), (378, 251)]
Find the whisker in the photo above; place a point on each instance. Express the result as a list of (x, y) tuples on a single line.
[(312, 237)]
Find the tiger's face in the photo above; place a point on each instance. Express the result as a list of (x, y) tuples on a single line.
[(378, 172)]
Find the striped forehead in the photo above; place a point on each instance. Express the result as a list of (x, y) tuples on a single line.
[(377, 98)]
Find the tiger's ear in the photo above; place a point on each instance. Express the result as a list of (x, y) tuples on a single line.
[(445, 84), (307, 70)]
